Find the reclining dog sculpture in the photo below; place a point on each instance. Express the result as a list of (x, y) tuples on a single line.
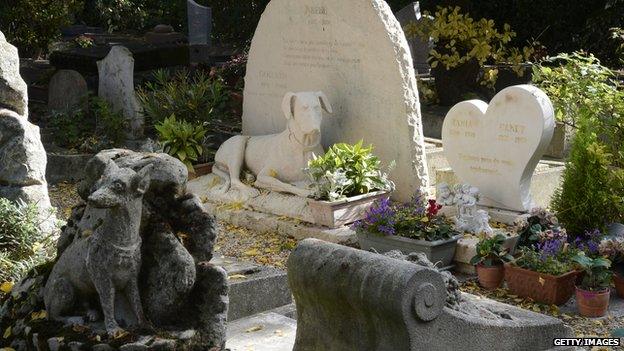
[(105, 260), (277, 160)]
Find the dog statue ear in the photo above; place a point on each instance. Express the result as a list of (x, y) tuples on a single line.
[(141, 181), (287, 105), (324, 102)]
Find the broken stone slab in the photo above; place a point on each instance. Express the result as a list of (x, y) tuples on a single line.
[(262, 332), (257, 292), (347, 297)]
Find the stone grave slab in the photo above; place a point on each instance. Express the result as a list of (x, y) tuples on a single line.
[(496, 147), (354, 51)]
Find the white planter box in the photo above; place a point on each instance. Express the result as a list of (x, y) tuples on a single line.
[(335, 214)]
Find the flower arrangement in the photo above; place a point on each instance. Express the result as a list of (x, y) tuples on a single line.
[(547, 262), (613, 249), (345, 171), (417, 219), (538, 226)]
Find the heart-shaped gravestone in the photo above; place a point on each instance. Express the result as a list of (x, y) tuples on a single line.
[(497, 147)]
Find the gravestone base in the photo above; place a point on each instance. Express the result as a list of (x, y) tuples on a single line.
[(269, 212), (546, 179)]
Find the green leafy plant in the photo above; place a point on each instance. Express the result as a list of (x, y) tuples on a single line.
[(459, 39), (195, 98), (181, 140), (345, 171), (490, 252), (89, 129), (32, 25), (22, 244), (587, 97), (597, 276)]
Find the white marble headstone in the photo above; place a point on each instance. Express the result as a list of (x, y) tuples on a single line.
[(116, 86), (497, 147), (356, 52)]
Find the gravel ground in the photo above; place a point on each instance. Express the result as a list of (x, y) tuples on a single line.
[(64, 196)]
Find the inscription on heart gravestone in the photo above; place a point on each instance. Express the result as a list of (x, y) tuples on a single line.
[(496, 147)]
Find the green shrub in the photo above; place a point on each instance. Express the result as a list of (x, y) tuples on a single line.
[(345, 171), (591, 193), (32, 25), (587, 97), (22, 245), (195, 98), (88, 130), (181, 140)]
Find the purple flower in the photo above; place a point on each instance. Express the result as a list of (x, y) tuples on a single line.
[(589, 242), (549, 248)]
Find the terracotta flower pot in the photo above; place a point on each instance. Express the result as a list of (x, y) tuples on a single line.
[(592, 303), (490, 277), (545, 288), (619, 284)]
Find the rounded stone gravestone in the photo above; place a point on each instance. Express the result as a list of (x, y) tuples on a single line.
[(356, 53), (67, 89)]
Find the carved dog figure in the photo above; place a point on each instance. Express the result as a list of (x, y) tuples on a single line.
[(105, 260), (277, 160)]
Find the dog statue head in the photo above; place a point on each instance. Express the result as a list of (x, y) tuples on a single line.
[(118, 186), (304, 112)]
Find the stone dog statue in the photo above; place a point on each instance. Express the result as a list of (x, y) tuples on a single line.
[(105, 260), (277, 161)]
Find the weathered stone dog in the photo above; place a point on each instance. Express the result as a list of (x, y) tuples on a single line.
[(277, 160), (105, 260)]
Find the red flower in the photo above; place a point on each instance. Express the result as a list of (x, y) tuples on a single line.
[(433, 208)]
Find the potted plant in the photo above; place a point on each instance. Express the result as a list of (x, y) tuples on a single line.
[(545, 274), (489, 261), (181, 140), (345, 182), (592, 296), (412, 227), (613, 248), (462, 46)]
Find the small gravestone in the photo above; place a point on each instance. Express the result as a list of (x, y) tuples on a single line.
[(418, 47), (116, 86), (354, 51), (497, 147), (67, 90), (199, 30)]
